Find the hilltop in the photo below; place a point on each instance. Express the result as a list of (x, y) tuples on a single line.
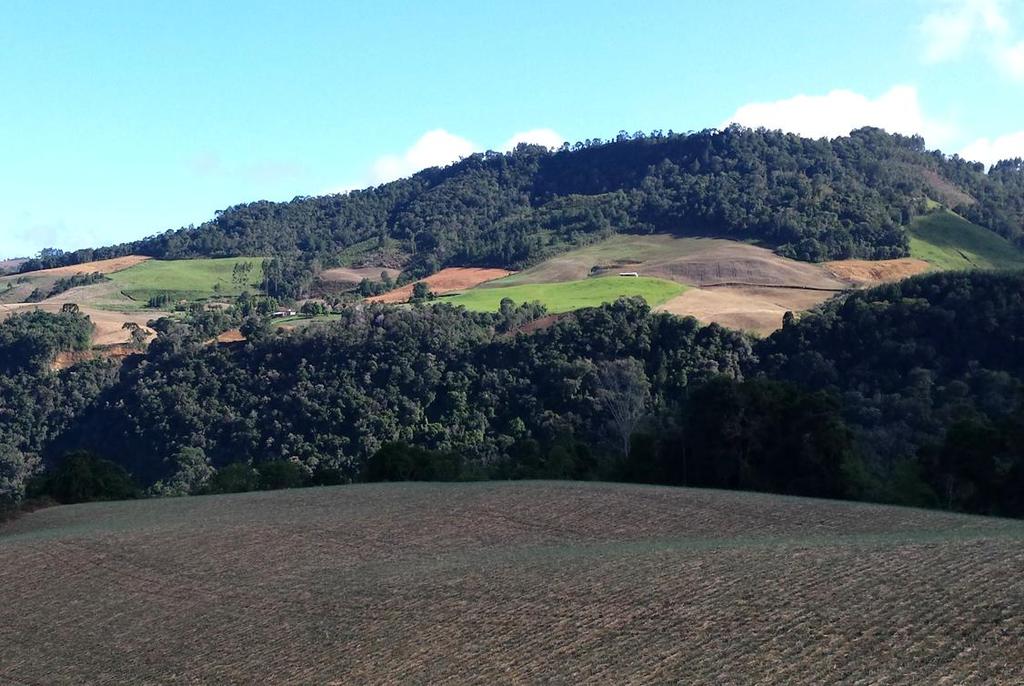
[(509, 582)]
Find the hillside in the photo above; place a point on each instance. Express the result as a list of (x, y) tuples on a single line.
[(813, 200), (190, 279), (512, 582), (910, 393), (753, 223), (727, 282), (133, 289), (948, 241)]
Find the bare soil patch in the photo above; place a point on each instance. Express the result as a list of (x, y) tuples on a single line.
[(354, 275), (110, 266), (730, 263), (948, 193), (111, 352), (508, 583), (230, 336), (450, 280), (874, 272), (693, 261), (757, 310), (540, 323)]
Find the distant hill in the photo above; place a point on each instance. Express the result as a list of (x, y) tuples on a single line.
[(814, 200)]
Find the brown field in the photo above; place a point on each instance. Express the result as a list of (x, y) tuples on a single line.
[(450, 280), (512, 582), (44, 279), (730, 264), (694, 261), (110, 266), (108, 323), (64, 360), (229, 336), (346, 275), (757, 310), (874, 272), (734, 284)]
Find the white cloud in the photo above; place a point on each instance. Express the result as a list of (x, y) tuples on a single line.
[(433, 149), (898, 110), (438, 148), (957, 25), (1011, 59), (545, 137), (991, 151), (948, 30)]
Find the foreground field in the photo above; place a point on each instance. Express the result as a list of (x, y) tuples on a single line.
[(570, 295), (509, 583)]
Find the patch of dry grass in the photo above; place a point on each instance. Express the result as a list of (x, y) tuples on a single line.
[(747, 308)]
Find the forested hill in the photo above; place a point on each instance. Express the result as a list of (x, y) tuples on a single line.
[(809, 199), (910, 393)]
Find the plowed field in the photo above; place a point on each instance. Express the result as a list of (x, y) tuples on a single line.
[(509, 583)]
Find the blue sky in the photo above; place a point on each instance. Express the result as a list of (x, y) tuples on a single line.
[(123, 119)]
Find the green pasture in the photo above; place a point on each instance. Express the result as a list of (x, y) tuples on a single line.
[(570, 295), (187, 279)]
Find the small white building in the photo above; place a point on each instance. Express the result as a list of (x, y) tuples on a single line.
[(634, 274)]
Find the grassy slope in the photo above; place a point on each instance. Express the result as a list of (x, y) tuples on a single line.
[(950, 242), (516, 582), (185, 279), (621, 248), (570, 295)]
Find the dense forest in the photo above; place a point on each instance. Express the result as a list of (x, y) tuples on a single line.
[(910, 393), (808, 199)]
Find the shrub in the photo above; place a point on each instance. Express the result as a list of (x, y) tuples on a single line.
[(83, 477), (401, 462), (237, 477), (281, 474)]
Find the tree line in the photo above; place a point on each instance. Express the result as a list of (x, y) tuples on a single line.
[(910, 393)]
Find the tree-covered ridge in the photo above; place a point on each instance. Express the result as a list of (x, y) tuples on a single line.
[(810, 199), (30, 340), (36, 405), (911, 393), (436, 376), (921, 366)]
